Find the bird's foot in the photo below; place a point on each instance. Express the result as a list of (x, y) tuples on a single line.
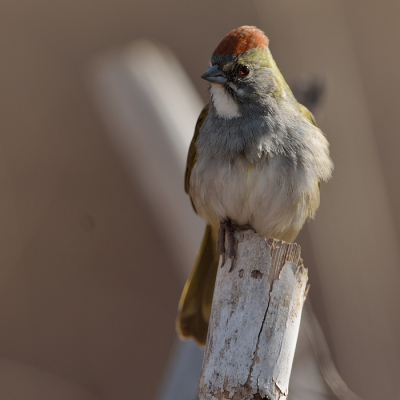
[(228, 228)]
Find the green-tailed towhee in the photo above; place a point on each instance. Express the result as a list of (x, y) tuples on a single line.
[(257, 158)]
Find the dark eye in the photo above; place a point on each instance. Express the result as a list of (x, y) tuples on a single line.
[(244, 70)]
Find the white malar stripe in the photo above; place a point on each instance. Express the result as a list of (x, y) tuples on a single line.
[(224, 104)]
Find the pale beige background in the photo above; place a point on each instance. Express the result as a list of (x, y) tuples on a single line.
[(83, 295)]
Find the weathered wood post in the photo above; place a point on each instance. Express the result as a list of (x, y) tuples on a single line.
[(254, 321)]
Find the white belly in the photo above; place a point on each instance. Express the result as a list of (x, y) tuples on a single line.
[(274, 199)]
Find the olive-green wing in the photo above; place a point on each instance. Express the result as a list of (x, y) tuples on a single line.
[(191, 158), (308, 114)]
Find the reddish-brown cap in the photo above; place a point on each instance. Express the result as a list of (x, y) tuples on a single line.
[(242, 39)]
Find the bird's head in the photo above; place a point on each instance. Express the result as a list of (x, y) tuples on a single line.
[(243, 74)]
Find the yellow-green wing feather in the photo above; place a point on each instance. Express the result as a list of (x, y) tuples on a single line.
[(308, 114), (191, 158)]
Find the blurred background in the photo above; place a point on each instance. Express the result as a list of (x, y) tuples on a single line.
[(93, 251)]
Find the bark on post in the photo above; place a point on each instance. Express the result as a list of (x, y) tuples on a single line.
[(254, 321)]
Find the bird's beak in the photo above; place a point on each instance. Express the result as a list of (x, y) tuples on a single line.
[(214, 75)]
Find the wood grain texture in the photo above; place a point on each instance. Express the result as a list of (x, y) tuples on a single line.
[(254, 321)]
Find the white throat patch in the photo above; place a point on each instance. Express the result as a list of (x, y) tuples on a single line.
[(224, 104)]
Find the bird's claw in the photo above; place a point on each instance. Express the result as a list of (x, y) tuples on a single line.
[(232, 263), (227, 227)]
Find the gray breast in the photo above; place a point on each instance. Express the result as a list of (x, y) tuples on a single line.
[(260, 172)]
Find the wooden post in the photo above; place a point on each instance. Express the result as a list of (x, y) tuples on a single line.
[(254, 321)]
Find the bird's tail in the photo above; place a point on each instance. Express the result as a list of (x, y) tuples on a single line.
[(196, 299)]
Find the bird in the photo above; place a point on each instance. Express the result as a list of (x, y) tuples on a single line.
[(257, 159)]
